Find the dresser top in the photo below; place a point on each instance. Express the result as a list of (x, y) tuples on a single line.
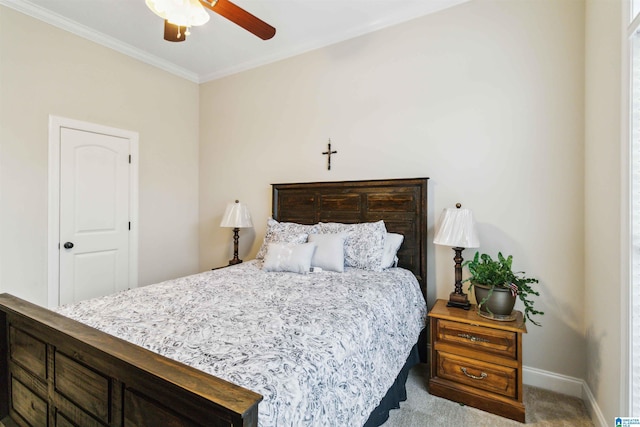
[(471, 316)]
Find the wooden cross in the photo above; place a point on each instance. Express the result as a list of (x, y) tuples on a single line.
[(328, 153)]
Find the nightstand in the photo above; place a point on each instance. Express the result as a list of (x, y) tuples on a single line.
[(477, 361)]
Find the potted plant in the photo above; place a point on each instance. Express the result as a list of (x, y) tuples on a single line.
[(496, 286)]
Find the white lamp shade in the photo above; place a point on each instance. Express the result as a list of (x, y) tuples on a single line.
[(457, 228), (236, 216), (185, 13)]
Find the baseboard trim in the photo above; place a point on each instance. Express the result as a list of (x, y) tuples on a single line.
[(552, 381), (564, 384), (592, 407)]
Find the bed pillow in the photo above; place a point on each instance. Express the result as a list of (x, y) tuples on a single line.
[(364, 245), (284, 232), (392, 243), (329, 254), (289, 257)]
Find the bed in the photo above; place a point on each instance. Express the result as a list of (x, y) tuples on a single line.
[(57, 371)]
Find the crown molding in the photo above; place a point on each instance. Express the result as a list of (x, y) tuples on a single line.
[(85, 32), (331, 39)]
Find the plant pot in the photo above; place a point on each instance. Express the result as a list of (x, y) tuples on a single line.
[(500, 304)]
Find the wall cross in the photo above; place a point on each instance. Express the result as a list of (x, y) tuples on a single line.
[(328, 153)]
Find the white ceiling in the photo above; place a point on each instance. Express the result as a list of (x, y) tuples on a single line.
[(220, 47)]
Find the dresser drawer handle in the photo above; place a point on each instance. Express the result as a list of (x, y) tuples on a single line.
[(472, 338), (481, 377)]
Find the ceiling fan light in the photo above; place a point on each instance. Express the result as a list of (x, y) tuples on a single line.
[(160, 7), (185, 13)]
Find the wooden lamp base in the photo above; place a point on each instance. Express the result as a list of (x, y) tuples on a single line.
[(236, 237), (458, 300)]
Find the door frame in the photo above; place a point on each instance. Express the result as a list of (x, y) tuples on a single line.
[(56, 123)]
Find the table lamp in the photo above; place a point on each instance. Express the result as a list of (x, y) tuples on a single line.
[(457, 229), (236, 216)]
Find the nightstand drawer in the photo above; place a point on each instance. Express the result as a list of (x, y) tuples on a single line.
[(477, 374), (495, 341)]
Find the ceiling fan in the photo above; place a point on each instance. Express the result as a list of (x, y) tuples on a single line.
[(180, 15)]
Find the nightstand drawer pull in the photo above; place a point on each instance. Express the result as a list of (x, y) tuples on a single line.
[(472, 338), (481, 377)]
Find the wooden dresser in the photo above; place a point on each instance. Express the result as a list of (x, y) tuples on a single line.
[(477, 361)]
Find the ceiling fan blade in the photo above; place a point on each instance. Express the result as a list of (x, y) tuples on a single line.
[(241, 17), (173, 33)]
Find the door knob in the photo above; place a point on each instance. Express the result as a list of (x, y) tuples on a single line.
[(68, 245)]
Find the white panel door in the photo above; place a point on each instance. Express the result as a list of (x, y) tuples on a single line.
[(94, 214)]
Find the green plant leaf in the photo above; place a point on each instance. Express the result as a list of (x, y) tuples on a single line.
[(486, 271)]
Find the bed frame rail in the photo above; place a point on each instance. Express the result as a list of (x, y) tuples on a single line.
[(55, 371)]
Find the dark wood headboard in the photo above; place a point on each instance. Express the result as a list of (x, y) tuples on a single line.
[(400, 203)]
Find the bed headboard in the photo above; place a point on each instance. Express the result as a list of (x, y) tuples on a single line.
[(401, 203)]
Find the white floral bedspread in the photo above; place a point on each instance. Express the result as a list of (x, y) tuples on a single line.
[(322, 348)]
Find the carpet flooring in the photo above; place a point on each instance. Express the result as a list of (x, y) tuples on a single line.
[(543, 409)]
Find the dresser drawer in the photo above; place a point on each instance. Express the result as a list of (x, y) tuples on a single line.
[(477, 374), (496, 341)]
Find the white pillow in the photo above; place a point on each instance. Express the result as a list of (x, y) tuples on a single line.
[(288, 257), (284, 232), (364, 245), (392, 243), (329, 254)]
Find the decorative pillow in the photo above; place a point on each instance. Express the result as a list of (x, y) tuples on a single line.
[(329, 254), (392, 243), (364, 245), (284, 232), (289, 257)]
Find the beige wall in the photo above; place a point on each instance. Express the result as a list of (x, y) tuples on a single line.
[(604, 207), (43, 71), (486, 99)]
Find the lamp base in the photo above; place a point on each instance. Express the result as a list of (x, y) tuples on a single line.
[(236, 237), (459, 301)]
